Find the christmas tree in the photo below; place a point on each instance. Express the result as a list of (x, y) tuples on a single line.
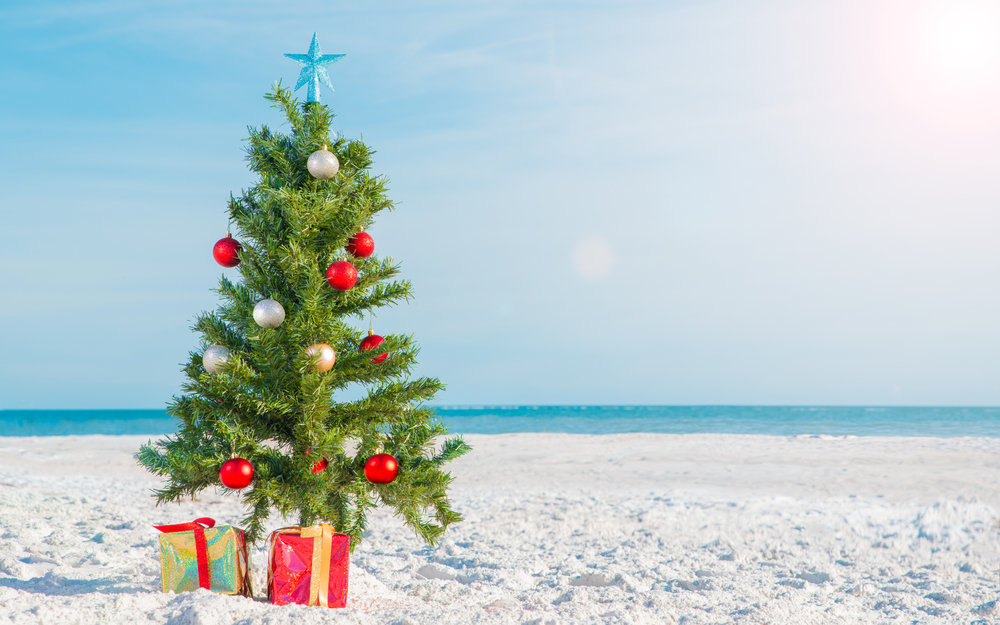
[(260, 401)]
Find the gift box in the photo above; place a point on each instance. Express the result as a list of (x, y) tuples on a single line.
[(200, 555), (308, 565)]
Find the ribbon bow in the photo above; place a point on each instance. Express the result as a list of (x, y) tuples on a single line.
[(198, 526), (319, 580)]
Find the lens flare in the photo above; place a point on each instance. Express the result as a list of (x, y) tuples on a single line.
[(593, 258)]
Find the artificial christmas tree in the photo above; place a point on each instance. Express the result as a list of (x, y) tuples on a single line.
[(260, 389)]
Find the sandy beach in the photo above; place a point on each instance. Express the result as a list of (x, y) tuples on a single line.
[(559, 528)]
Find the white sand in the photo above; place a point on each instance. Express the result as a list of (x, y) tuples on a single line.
[(559, 529)]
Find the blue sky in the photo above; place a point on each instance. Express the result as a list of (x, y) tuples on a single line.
[(729, 202)]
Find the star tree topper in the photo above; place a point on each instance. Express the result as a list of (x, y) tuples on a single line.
[(314, 69)]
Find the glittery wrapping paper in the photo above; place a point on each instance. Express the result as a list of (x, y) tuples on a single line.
[(227, 561), (290, 568)]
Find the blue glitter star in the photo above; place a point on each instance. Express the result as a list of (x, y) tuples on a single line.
[(314, 69)]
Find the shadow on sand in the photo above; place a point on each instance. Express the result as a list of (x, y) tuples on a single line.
[(57, 585)]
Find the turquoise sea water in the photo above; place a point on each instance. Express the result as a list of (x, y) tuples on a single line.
[(773, 420)]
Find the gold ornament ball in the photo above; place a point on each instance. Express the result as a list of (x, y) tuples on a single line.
[(326, 357)]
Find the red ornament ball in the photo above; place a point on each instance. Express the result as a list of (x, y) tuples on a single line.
[(381, 469), (360, 245), (236, 473), (341, 275), (227, 252), (320, 465), (370, 342)]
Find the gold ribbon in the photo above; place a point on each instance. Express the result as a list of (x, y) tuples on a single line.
[(319, 579)]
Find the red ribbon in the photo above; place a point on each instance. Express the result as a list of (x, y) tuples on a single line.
[(198, 526)]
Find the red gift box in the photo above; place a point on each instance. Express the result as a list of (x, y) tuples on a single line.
[(308, 566)]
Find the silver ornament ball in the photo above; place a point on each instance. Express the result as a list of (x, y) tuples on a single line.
[(323, 164), (215, 356), (268, 313)]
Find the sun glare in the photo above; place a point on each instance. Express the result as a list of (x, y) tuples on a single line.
[(937, 61), (962, 41)]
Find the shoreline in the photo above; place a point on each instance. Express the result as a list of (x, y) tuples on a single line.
[(898, 468)]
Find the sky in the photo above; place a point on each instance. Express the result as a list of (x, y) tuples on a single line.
[(720, 202)]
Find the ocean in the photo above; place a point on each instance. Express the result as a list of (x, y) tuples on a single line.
[(773, 420)]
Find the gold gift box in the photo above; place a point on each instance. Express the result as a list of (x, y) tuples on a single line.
[(225, 555)]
